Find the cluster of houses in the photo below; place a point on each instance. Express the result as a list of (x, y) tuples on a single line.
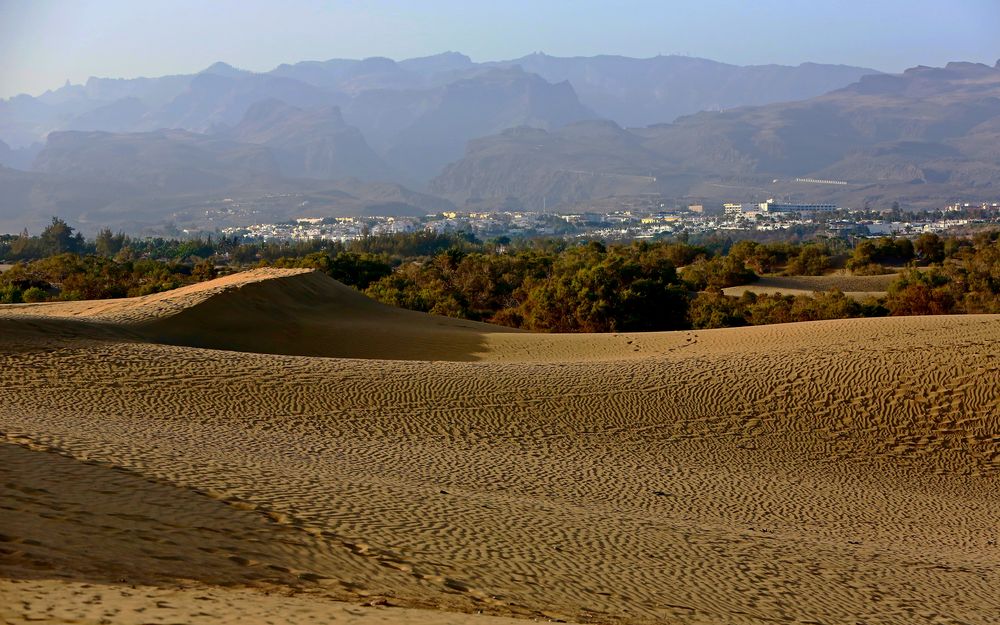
[(630, 223)]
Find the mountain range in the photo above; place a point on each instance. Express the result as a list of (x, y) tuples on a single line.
[(344, 136), (924, 136)]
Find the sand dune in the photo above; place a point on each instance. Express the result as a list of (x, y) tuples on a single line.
[(328, 447), (278, 311), (857, 287)]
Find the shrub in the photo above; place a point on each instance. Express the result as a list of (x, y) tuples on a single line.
[(34, 294)]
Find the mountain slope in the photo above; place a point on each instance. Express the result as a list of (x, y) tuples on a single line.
[(542, 169), (433, 126), (173, 160), (217, 99), (313, 143), (923, 136), (136, 181), (640, 92)]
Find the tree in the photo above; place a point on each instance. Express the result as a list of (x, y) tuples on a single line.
[(58, 238), (108, 244), (921, 293), (812, 260), (929, 247), (205, 270), (712, 309)]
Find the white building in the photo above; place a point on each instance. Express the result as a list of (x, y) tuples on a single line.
[(771, 206)]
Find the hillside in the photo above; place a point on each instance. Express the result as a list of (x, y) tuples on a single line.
[(822, 471), (175, 161), (421, 131), (310, 143), (924, 136), (417, 114), (226, 197), (641, 92), (628, 90), (578, 162)]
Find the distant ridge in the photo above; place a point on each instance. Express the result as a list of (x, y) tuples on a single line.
[(920, 137), (441, 124)]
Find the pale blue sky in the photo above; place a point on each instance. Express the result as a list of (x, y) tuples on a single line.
[(45, 42)]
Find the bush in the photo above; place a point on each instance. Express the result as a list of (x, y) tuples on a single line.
[(34, 294), (11, 294), (812, 260)]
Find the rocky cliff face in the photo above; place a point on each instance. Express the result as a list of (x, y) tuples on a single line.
[(310, 143)]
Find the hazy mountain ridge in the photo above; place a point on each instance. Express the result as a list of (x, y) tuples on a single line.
[(138, 180), (418, 114), (30, 199), (175, 160), (640, 92), (543, 169), (221, 93), (527, 141), (927, 133), (18, 159), (445, 118)]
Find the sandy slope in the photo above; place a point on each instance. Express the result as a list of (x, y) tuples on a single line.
[(857, 287), (830, 472)]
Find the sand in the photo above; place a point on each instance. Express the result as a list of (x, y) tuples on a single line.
[(856, 287), (273, 446)]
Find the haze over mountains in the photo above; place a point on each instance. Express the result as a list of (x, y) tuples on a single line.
[(348, 136), (925, 135)]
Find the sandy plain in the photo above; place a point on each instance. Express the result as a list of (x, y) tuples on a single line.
[(274, 447), (856, 287)]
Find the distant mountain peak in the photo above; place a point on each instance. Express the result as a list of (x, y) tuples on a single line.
[(377, 63), (220, 68), (450, 54), (446, 61), (524, 132)]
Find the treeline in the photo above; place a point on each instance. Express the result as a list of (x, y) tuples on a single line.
[(557, 286), (71, 276), (59, 238), (586, 288), (60, 264), (543, 285)]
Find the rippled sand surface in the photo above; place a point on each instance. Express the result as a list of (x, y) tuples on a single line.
[(274, 446)]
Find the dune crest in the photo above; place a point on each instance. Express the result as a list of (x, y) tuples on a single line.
[(298, 312)]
